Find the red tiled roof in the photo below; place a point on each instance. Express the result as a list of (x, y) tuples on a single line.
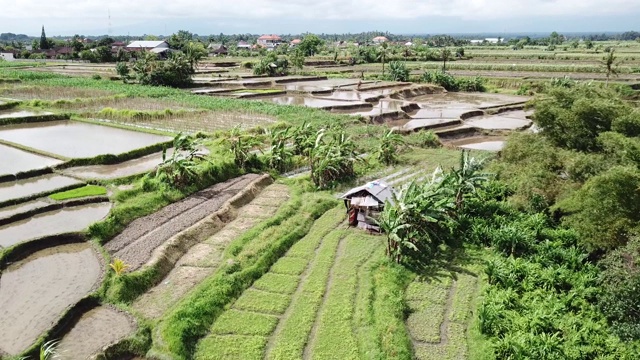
[(270, 37), (296, 41)]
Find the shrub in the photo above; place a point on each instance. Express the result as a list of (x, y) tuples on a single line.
[(398, 71)]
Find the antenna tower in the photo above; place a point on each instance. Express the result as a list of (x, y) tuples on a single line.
[(109, 14)]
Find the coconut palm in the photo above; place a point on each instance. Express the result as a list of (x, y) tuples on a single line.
[(611, 63), (383, 54)]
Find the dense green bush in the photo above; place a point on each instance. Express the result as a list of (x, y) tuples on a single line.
[(452, 83), (620, 281)]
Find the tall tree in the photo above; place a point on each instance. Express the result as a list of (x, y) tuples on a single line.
[(44, 44), (383, 54), (445, 55), (610, 63)]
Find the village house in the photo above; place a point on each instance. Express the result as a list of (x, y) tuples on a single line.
[(364, 203), (243, 45), (8, 56), (379, 40), (217, 50), (156, 47), (294, 43), (269, 41)]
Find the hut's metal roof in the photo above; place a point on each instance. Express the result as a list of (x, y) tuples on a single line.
[(378, 190)]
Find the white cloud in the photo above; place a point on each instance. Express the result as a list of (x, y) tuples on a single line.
[(90, 13)]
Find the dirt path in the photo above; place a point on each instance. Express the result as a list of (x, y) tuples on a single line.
[(98, 328), (36, 291), (136, 244), (448, 308), (204, 258)]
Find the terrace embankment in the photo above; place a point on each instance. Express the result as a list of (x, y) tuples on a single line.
[(203, 259), (137, 243)]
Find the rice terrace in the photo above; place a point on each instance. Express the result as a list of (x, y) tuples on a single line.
[(348, 196)]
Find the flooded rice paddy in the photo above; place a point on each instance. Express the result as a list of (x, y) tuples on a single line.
[(10, 114), (116, 171), (74, 139), (467, 100), (21, 161), (10, 211), (36, 291), (32, 186), (66, 220), (99, 327)]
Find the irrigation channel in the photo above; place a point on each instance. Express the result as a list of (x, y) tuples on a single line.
[(50, 273)]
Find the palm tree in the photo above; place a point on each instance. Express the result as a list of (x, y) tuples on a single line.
[(445, 55), (383, 54), (611, 64)]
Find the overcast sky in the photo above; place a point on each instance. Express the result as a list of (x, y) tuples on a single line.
[(91, 17)]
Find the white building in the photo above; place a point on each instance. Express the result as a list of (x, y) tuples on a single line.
[(269, 41), (157, 47), (7, 56)]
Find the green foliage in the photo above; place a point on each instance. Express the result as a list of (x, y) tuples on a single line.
[(573, 118), (297, 59), (49, 350), (627, 124), (620, 281), (309, 45), (540, 300), (388, 148), (180, 168), (451, 83), (122, 69), (606, 209), (271, 65), (89, 190), (280, 155), (398, 71), (332, 159), (240, 144), (175, 71)]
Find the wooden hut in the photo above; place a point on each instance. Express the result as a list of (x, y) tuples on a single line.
[(365, 202)]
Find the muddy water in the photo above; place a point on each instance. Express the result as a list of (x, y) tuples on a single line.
[(74, 139), (351, 96), (22, 188), (8, 114), (127, 168), (305, 88), (487, 143), (498, 123), (98, 328), (473, 100), (22, 161), (329, 83), (417, 124), (9, 211), (36, 291), (313, 102), (440, 113), (67, 220)]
